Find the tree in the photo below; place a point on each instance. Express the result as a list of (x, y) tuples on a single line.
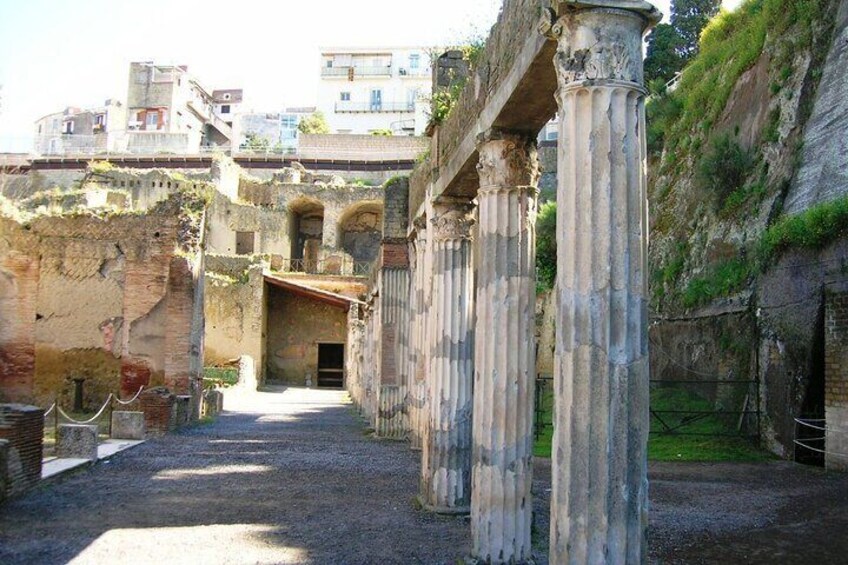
[(663, 60), (316, 123), (688, 18)]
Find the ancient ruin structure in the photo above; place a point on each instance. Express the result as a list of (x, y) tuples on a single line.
[(472, 212)]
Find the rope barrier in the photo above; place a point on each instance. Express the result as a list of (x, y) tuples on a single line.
[(824, 428), (822, 451), (49, 410), (134, 398), (90, 420)]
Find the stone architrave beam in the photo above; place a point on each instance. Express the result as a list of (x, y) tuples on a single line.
[(446, 450), (505, 356), (599, 500)]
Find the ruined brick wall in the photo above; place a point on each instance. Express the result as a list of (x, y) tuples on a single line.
[(836, 378), (517, 20), (19, 274), (23, 427), (96, 294)]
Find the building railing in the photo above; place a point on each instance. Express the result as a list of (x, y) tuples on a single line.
[(345, 106), (353, 72), (333, 265)]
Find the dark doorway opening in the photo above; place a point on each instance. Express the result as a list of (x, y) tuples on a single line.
[(330, 365), (810, 436)]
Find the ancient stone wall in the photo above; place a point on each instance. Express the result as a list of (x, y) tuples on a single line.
[(360, 147), (296, 325), (92, 297), (234, 310), (823, 174)]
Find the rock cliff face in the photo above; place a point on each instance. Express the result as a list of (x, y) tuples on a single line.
[(750, 139)]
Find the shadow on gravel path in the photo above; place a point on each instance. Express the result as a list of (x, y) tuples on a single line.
[(283, 477)]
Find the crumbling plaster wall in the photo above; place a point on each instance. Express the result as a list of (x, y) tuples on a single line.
[(234, 310), (95, 297), (296, 326)]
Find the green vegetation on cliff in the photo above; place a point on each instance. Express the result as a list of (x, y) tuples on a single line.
[(724, 145)]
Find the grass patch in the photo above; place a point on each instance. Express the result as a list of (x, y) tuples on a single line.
[(814, 229), (219, 377), (720, 280), (678, 447), (674, 447)]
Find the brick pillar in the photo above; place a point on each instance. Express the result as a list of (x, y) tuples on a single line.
[(23, 427), (836, 380)]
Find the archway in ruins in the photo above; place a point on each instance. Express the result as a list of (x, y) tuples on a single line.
[(360, 230), (306, 229)]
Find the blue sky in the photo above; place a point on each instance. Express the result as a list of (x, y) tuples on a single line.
[(58, 53)]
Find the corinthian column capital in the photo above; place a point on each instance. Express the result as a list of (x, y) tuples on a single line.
[(600, 41), (508, 161), (453, 218)]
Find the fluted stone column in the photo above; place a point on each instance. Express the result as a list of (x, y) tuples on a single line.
[(505, 356), (446, 453), (418, 335), (599, 501)]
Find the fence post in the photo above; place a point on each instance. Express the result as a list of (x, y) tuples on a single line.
[(56, 418)]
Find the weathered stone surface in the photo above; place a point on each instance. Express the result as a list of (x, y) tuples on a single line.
[(391, 415), (213, 403), (418, 358), (128, 425), (504, 359), (76, 441), (600, 487), (446, 453), (823, 174)]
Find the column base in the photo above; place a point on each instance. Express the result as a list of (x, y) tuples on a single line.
[(443, 510)]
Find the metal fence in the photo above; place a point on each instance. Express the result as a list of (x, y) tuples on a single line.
[(713, 408), (343, 266), (727, 407)]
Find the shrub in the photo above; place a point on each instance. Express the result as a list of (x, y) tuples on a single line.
[(722, 170), (546, 245), (720, 280)]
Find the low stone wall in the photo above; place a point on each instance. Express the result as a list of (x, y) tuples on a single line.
[(23, 427), (836, 380), (76, 441)]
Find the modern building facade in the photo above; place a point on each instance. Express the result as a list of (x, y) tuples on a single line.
[(168, 106), (363, 91), (80, 130), (274, 132)]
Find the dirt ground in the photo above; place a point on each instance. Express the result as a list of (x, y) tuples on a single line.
[(291, 477)]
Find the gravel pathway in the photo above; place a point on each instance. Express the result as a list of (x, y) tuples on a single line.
[(291, 477), (286, 477)]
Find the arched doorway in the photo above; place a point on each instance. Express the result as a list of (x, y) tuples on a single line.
[(360, 231), (306, 222)]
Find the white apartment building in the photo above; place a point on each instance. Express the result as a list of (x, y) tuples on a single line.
[(363, 90)]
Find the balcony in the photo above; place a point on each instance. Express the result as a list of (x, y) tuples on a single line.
[(356, 72), (347, 107)]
